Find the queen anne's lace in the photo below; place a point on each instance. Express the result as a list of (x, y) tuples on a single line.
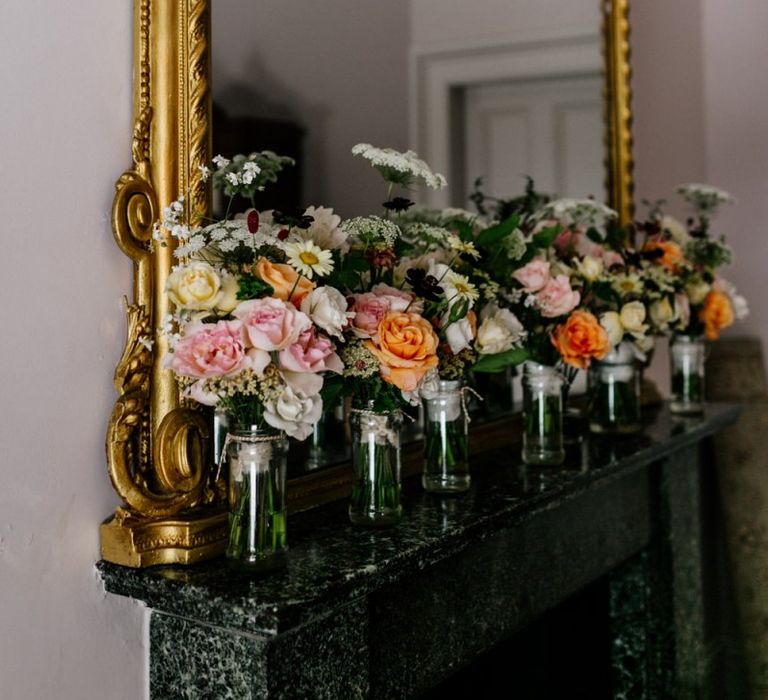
[(400, 168)]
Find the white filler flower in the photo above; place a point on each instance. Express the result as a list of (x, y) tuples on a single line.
[(400, 168)]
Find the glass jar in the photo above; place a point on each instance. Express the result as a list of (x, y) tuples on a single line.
[(614, 387), (257, 461), (446, 444), (375, 499), (542, 415), (686, 355)]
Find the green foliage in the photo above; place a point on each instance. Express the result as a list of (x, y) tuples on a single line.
[(546, 237), (495, 234), (498, 362), (251, 287), (333, 387)]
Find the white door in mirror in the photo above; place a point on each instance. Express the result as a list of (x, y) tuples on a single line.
[(550, 129)]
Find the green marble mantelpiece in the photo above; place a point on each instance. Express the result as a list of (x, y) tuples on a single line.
[(391, 613)]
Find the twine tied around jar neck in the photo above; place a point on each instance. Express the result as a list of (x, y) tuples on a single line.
[(462, 392), (366, 412), (248, 439)]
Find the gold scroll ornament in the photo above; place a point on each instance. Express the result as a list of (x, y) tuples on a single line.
[(157, 448)]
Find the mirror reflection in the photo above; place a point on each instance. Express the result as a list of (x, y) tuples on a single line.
[(311, 79), (487, 89)]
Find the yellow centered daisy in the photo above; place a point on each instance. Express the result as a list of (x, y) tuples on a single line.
[(458, 287), (309, 259)]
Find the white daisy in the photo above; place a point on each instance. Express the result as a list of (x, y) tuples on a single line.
[(308, 259), (458, 287), (466, 247)]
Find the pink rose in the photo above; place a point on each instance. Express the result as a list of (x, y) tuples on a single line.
[(533, 276), (682, 310), (557, 298), (211, 350), (397, 299), (271, 324), (611, 258), (566, 242), (369, 310), (310, 353)]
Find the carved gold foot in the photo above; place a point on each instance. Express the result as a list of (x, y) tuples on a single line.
[(186, 538)]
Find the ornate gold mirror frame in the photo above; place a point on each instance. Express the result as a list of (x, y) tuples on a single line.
[(158, 447)]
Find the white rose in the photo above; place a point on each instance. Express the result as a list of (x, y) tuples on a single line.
[(697, 291), (196, 287), (662, 313), (590, 267), (499, 331), (294, 412), (327, 307), (675, 229), (611, 323), (459, 335), (324, 230), (632, 316)]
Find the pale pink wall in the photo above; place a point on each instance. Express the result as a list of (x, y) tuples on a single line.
[(736, 132), (65, 130), (701, 109)]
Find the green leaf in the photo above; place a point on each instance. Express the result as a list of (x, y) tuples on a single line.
[(546, 237), (494, 234), (333, 387), (355, 261), (498, 362), (347, 279), (464, 230)]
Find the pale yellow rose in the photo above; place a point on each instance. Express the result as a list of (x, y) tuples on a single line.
[(229, 289), (198, 287), (632, 316), (590, 267), (611, 322), (662, 313), (697, 291)]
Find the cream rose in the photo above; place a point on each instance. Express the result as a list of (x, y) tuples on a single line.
[(198, 287), (675, 229), (632, 316), (611, 322), (499, 331), (662, 313)]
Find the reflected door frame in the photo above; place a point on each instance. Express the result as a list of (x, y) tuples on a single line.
[(438, 76)]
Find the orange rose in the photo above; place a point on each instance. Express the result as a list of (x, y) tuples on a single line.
[(716, 314), (406, 347), (580, 339), (672, 253), (283, 279)]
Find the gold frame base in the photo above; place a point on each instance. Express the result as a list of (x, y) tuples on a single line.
[(187, 538)]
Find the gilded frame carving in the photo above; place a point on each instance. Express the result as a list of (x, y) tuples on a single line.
[(158, 450)]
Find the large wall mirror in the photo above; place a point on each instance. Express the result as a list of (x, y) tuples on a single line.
[(489, 88)]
